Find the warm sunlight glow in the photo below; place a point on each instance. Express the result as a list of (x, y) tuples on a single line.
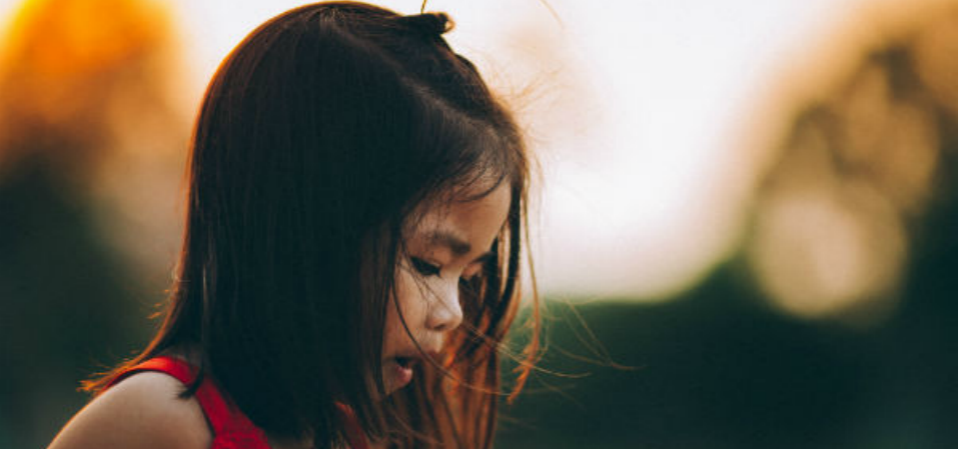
[(91, 88), (631, 114), (636, 111), (79, 38)]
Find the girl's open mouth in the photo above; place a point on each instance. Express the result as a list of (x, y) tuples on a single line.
[(403, 371)]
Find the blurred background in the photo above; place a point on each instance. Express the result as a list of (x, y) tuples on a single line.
[(746, 225)]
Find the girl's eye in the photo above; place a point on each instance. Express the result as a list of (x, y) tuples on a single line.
[(424, 268)]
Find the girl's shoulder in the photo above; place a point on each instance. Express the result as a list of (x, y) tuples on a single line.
[(144, 411)]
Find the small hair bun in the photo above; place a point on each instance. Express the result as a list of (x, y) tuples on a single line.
[(431, 24)]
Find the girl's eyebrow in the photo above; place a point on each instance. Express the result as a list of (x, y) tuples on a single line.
[(458, 245)]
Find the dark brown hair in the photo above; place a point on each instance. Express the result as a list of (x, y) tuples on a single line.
[(318, 137)]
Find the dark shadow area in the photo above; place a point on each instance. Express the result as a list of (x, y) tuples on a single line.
[(70, 305), (716, 369)]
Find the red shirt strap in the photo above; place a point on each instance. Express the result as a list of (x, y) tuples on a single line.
[(231, 428), (354, 434)]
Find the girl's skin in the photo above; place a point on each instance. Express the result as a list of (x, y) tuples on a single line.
[(446, 244)]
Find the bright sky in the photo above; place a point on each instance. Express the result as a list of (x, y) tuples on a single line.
[(633, 110)]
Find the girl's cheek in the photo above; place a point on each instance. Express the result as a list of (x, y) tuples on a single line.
[(409, 302)]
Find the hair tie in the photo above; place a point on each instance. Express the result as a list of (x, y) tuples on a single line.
[(430, 24)]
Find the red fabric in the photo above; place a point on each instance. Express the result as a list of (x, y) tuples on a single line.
[(231, 428), (354, 434)]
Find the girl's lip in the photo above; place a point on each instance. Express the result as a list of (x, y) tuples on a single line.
[(403, 373)]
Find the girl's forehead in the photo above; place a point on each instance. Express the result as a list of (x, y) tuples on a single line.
[(462, 224)]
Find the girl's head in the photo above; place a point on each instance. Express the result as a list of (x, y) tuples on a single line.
[(354, 221)]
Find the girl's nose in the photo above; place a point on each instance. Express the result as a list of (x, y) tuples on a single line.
[(445, 313)]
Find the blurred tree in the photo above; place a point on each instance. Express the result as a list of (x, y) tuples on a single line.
[(87, 128), (839, 216), (858, 224)]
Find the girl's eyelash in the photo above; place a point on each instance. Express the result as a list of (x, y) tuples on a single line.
[(424, 268), (428, 269)]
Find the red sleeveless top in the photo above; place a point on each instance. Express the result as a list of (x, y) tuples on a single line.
[(231, 428)]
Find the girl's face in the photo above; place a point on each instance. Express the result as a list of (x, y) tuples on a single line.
[(448, 244)]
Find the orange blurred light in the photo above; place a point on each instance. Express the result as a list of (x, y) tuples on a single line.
[(74, 37)]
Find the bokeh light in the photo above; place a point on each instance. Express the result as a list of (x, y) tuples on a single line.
[(855, 175)]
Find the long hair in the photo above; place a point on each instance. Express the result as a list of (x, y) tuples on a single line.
[(319, 136)]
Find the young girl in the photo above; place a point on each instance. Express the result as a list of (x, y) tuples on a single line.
[(350, 264)]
